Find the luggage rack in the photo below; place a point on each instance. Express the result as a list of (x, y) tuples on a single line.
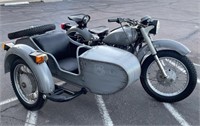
[(59, 95)]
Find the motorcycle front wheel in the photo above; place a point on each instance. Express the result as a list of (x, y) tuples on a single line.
[(179, 84), (25, 85)]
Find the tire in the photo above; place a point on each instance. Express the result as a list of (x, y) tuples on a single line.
[(23, 81), (158, 87), (32, 31)]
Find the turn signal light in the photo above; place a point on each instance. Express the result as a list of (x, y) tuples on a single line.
[(3, 46), (6, 46), (39, 57)]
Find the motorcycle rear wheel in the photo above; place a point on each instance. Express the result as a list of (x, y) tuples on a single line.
[(180, 70), (25, 85)]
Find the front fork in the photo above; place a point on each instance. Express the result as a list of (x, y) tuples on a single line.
[(152, 49)]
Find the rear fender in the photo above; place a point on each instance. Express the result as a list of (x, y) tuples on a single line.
[(41, 71), (164, 44), (83, 32)]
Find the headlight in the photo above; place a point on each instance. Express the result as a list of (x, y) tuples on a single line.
[(156, 25)]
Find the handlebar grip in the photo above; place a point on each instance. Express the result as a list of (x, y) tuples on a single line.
[(112, 20)]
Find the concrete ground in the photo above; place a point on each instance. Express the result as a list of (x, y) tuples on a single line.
[(133, 106)]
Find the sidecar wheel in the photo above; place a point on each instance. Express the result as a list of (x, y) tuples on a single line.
[(25, 85), (180, 70)]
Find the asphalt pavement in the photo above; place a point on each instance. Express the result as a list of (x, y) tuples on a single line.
[(180, 20)]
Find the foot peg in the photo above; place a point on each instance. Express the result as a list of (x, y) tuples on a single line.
[(59, 94)]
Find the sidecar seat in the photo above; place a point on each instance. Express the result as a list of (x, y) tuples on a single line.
[(58, 44)]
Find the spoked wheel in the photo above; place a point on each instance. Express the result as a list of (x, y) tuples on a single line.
[(179, 84), (25, 86)]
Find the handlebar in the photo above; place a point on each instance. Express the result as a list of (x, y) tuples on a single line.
[(120, 20)]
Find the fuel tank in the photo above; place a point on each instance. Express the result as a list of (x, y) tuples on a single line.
[(121, 36)]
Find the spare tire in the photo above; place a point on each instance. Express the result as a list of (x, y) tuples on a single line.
[(32, 31)]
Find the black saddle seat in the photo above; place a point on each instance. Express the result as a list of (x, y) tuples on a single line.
[(77, 17), (58, 44), (100, 30)]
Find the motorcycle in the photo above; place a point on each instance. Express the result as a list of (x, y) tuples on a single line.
[(41, 53), (167, 73)]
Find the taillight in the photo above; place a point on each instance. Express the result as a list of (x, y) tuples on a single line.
[(62, 26), (65, 26)]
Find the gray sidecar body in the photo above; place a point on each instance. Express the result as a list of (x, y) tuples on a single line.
[(99, 69)]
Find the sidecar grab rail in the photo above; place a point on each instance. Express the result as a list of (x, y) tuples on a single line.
[(59, 94)]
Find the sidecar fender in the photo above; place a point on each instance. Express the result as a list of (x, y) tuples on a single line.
[(83, 32), (41, 71), (164, 44)]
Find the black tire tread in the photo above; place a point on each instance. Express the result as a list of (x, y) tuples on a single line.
[(32, 31), (192, 77)]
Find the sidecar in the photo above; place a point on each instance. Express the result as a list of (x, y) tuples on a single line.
[(40, 54)]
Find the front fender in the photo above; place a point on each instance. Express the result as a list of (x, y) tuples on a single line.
[(83, 32), (164, 44), (41, 71)]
